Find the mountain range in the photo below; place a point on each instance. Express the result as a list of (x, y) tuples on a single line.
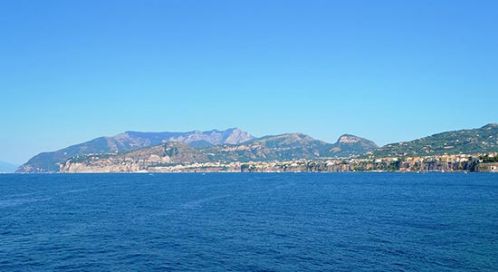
[(235, 145), (285, 147), (129, 141), (6, 167), (227, 145)]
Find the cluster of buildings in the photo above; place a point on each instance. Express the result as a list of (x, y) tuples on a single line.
[(440, 163)]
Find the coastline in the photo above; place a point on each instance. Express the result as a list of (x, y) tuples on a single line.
[(249, 173), (437, 163)]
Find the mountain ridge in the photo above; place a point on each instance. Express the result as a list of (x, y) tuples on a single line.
[(128, 141), (234, 145), (271, 148)]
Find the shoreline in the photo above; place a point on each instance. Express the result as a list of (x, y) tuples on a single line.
[(249, 173)]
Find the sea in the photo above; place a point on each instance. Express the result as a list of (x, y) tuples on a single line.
[(249, 222)]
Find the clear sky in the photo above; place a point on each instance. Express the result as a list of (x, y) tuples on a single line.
[(71, 71)]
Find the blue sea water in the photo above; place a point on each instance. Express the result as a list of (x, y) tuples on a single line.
[(249, 222)]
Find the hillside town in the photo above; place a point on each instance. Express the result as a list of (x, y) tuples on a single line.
[(438, 163)]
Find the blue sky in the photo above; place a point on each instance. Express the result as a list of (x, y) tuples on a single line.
[(385, 70)]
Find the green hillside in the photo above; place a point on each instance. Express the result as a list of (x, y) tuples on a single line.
[(466, 141)]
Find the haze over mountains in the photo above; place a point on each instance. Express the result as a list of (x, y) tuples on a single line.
[(6, 167), (235, 145)]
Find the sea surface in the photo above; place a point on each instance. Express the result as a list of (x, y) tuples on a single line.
[(249, 222)]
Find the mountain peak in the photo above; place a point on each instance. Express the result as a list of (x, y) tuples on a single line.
[(349, 144), (237, 136), (349, 139)]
